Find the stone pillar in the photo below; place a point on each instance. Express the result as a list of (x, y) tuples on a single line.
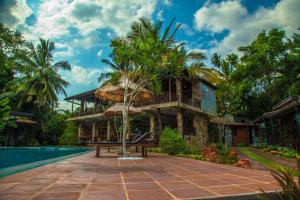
[(200, 124), (152, 123), (108, 129), (93, 131), (178, 89), (180, 121)]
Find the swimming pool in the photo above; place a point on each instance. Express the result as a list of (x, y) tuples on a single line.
[(16, 159)]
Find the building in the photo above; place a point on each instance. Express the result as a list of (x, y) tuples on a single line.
[(237, 129), (281, 126), (184, 103), (18, 136)]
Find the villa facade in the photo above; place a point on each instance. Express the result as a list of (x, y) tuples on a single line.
[(184, 103)]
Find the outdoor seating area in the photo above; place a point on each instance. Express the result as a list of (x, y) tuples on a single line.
[(156, 177)]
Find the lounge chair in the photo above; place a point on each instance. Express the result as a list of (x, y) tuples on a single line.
[(143, 141)]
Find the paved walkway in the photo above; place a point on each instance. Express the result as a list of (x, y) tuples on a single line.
[(155, 178)]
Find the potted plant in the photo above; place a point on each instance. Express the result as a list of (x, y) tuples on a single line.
[(233, 154)]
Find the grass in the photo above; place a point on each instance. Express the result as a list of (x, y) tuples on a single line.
[(270, 164)]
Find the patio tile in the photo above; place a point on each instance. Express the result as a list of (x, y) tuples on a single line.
[(155, 177), (56, 188), (211, 182), (178, 185), (263, 186), (58, 196), (103, 187), (227, 190), (191, 193), (6, 186), (107, 180), (149, 195), (117, 195), (144, 186), (24, 188), (13, 196), (138, 180)]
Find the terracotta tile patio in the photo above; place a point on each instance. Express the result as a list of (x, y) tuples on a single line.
[(155, 177)]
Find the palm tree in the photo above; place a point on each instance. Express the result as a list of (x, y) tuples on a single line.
[(193, 62), (41, 82)]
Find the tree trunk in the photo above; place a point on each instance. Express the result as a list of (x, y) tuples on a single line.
[(125, 117)]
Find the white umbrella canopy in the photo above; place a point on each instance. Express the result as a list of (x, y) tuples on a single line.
[(115, 93)]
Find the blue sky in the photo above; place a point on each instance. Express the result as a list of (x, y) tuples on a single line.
[(82, 29)]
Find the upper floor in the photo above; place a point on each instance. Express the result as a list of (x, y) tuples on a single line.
[(197, 94)]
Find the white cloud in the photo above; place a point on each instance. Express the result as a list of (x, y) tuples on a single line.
[(187, 29), (56, 18), (159, 15), (242, 26), (99, 53), (168, 2), (82, 75), (14, 12)]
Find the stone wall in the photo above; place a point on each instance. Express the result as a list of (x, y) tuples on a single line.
[(200, 124)]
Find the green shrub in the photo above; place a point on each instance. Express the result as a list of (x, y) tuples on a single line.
[(171, 142), (223, 154), (33, 143), (288, 153), (192, 149), (69, 137)]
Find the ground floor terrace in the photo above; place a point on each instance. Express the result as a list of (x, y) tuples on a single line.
[(155, 177)]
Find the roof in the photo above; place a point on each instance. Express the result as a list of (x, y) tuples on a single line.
[(25, 121), (22, 114), (88, 95), (285, 106)]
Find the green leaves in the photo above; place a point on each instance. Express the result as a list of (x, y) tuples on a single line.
[(265, 73), (5, 119)]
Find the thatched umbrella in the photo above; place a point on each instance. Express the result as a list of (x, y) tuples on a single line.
[(116, 110), (115, 93)]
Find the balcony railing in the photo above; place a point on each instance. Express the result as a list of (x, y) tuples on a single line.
[(164, 97)]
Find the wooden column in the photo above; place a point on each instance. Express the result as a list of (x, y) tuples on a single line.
[(152, 124), (108, 129), (178, 89), (180, 121), (93, 131), (79, 131), (82, 106), (170, 92)]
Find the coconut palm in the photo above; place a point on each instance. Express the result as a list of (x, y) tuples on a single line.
[(41, 83)]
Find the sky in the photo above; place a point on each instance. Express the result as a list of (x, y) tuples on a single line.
[(82, 29)]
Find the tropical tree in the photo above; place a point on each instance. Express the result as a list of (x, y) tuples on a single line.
[(140, 59), (41, 83)]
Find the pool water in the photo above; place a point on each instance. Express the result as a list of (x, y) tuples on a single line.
[(17, 159)]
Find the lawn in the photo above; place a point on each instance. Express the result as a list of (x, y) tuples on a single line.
[(270, 164)]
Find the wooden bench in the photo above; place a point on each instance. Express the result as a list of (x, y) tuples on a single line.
[(143, 141)]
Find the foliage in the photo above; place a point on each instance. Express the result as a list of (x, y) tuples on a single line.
[(54, 127), (41, 82), (223, 154), (264, 161), (288, 153), (171, 142), (193, 156), (290, 189), (5, 119), (69, 136), (12, 45), (192, 149), (265, 73)]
